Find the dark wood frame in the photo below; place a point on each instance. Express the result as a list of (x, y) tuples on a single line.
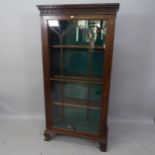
[(80, 11)]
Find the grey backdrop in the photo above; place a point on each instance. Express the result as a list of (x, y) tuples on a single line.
[(133, 74)]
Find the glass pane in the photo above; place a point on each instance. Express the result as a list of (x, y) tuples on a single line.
[(74, 32), (77, 62), (76, 106), (55, 62)]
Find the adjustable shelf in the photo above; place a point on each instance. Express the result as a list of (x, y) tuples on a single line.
[(78, 103), (79, 79), (78, 47)]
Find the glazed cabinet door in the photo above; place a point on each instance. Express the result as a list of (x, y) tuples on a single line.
[(76, 52)]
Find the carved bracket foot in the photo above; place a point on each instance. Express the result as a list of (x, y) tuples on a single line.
[(103, 145), (48, 135)]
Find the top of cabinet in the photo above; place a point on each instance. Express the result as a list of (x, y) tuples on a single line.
[(68, 9)]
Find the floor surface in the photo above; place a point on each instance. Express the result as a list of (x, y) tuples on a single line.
[(24, 137)]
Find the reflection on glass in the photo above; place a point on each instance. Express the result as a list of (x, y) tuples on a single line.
[(53, 23)]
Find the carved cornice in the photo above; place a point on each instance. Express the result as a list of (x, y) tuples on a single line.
[(85, 9)]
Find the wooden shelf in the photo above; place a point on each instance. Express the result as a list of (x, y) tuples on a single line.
[(77, 46), (79, 79), (79, 103)]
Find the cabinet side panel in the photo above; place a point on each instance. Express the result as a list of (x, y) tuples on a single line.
[(107, 74), (46, 71)]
